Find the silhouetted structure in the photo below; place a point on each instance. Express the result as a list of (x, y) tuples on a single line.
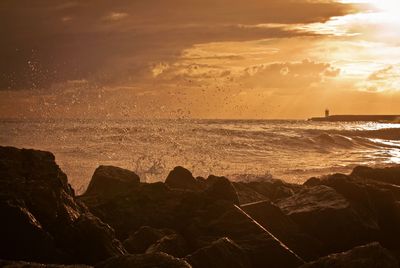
[(326, 113)]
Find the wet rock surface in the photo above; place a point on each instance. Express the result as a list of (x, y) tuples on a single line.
[(41, 220), (368, 256), (194, 222), (108, 181), (221, 253), (159, 260)]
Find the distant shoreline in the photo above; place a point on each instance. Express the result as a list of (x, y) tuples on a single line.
[(355, 118)]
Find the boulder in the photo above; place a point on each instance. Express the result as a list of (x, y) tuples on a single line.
[(23, 237), (284, 228), (41, 214), (159, 260), (139, 241), (221, 219), (181, 178), (374, 202), (173, 244), (388, 175), (221, 188), (327, 216), (149, 204), (221, 253), (369, 256), (259, 189), (108, 181)]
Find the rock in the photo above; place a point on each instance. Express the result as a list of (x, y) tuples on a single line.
[(21, 264), (327, 216), (388, 175), (43, 215), (108, 181), (146, 205), (22, 236), (221, 253), (215, 220), (368, 256), (181, 178), (374, 202), (199, 217), (159, 260), (260, 189), (247, 194), (173, 244), (221, 188), (142, 239), (91, 239), (284, 228)]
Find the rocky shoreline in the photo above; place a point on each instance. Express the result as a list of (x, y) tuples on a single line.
[(332, 221)]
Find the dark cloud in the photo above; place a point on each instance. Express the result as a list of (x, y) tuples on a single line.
[(108, 42)]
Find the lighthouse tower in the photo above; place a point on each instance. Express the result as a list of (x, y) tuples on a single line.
[(326, 112)]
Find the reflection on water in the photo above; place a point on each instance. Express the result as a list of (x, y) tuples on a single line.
[(291, 150)]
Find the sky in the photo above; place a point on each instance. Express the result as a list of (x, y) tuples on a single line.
[(242, 59)]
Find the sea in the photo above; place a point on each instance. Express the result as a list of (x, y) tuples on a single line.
[(291, 150)]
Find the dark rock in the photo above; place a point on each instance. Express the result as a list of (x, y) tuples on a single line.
[(264, 189), (108, 181), (247, 194), (145, 205), (199, 217), (91, 239), (42, 213), (142, 239), (21, 264), (284, 228), (373, 202), (181, 178), (22, 236), (159, 260), (326, 215), (226, 220), (221, 188), (388, 175), (368, 256), (221, 253), (173, 244)]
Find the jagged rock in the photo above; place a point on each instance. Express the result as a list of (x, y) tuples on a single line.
[(388, 175), (108, 181), (173, 244), (221, 188), (329, 217), (211, 221), (247, 194), (39, 204), (159, 260), (143, 238), (197, 216), (284, 228), (146, 205), (260, 189), (374, 202), (22, 236), (181, 178), (368, 256), (21, 264), (221, 253)]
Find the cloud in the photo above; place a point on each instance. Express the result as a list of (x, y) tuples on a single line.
[(385, 79), (112, 42), (295, 75)]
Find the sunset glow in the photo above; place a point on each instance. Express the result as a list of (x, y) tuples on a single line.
[(252, 59)]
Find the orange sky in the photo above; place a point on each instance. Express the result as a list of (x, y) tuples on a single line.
[(199, 59)]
